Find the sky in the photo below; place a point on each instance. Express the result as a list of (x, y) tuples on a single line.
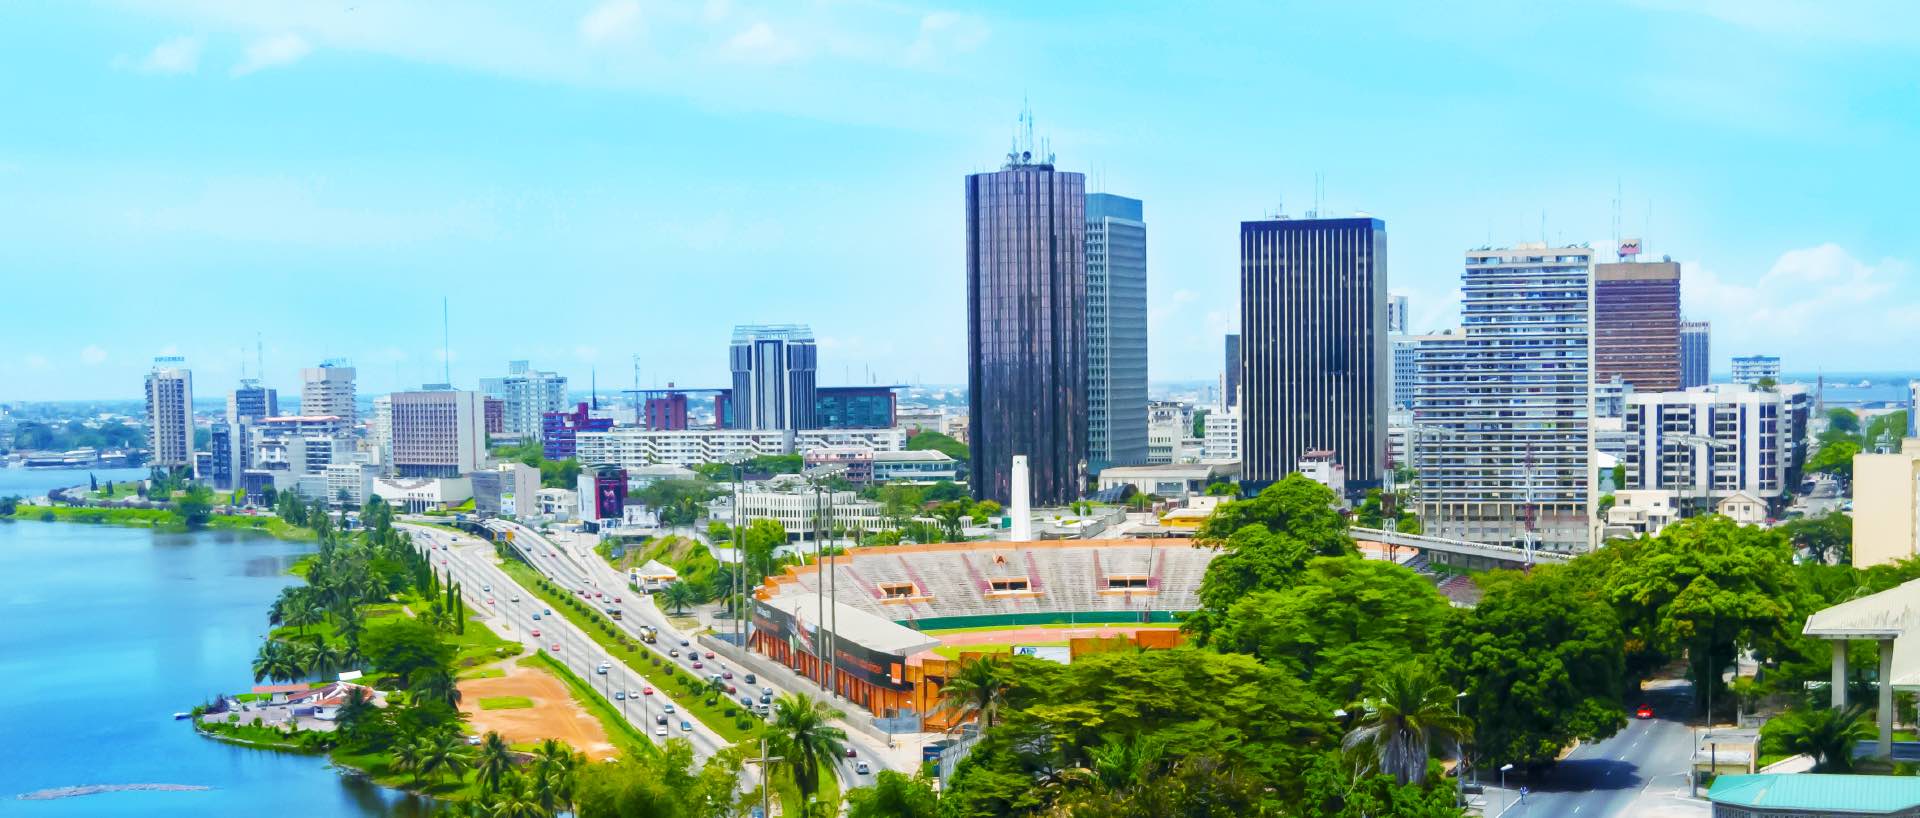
[(588, 184)]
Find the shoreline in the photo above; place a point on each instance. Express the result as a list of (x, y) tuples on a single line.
[(160, 519)]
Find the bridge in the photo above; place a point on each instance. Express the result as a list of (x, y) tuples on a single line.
[(1505, 554)]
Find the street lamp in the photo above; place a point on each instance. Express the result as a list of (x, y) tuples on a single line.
[(824, 637), (1503, 784), (1460, 773)]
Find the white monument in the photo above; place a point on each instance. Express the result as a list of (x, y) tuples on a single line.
[(1022, 510)]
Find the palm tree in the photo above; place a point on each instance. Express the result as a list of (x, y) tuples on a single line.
[(554, 766), (276, 661), (303, 611), (678, 596), (804, 739), (436, 684), (496, 761), (354, 712), (1408, 711), (516, 799), (1828, 735), (325, 659), (409, 756), (446, 753), (978, 689)]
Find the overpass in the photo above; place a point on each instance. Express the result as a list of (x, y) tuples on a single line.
[(1506, 555)]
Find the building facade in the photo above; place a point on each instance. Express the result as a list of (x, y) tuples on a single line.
[(1886, 506), (170, 414), (1116, 332), (439, 433), (558, 430), (328, 389), (854, 407), (1636, 324), (1230, 373), (1313, 310), (603, 492), (1221, 437), (1405, 352), (633, 448), (1397, 314), (774, 376), (526, 396), (1509, 404), (1751, 369), (1695, 353), (1026, 329), (1751, 450), (220, 461)]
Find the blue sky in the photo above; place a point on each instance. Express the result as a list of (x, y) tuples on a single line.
[(587, 181)]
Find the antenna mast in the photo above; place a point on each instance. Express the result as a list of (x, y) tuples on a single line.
[(446, 344)]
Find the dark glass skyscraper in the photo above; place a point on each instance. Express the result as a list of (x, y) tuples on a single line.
[(1695, 343), (1026, 328), (1230, 384), (773, 376), (1313, 339)]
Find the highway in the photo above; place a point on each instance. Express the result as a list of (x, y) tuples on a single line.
[(470, 561), (1637, 772)]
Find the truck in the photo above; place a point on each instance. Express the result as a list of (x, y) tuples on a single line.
[(613, 612), (647, 634)]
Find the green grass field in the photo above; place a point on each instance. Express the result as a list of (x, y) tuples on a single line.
[(505, 703)]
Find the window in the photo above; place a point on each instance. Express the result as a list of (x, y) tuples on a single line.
[(1001, 586), (1127, 582), (896, 590)]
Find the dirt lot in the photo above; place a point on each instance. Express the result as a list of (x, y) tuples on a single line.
[(553, 714)]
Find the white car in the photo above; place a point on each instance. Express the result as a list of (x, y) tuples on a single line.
[(660, 731)]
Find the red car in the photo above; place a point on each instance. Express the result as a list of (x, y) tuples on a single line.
[(647, 690), (1645, 711), (556, 647), (536, 633), (697, 665), (709, 654)]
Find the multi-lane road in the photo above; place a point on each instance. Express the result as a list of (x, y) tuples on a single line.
[(1637, 772)]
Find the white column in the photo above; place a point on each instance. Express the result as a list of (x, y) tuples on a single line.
[(1022, 498), (1839, 674), (1886, 698)]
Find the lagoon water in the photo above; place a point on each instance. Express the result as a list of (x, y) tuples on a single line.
[(105, 633)]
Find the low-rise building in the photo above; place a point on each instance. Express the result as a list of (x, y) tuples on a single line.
[(505, 486), (350, 483), (1709, 443), (418, 494), (1815, 795), (922, 466), (1886, 505), (1174, 480), (1323, 466), (790, 501), (1639, 511), (1222, 437), (602, 492), (633, 448)]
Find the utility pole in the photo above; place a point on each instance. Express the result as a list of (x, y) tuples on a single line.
[(766, 785)]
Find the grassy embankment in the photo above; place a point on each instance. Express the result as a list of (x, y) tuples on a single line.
[(678, 682), (478, 646), (162, 519)]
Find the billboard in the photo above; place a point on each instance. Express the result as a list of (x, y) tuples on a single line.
[(1052, 653), (1629, 248)]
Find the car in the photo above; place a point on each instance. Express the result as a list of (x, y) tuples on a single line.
[(750, 680), (684, 643), (443, 560), (516, 598), (862, 768), (616, 599), (668, 707), (648, 691), (746, 702), (473, 741), (675, 653), (709, 654), (603, 668), (619, 695), (766, 698), (732, 690), (556, 647), (851, 753), (660, 731), (686, 726), (659, 719), (697, 664), (726, 674), (765, 691), (536, 633), (489, 600), (547, 611), (1644, 711), (536, 616), (486, 589), (633, 694)]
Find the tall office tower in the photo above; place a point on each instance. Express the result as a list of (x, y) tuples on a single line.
[(170, 413), (1750, 369), (1116, 332), (327, 389), (1396, 314), (526, 394), (220, 458), (1509, 404), (1636, 324), (1406, 364), (1694, 353), (1230, 380), (1313, 334), (774, 377), (437, 433), (1026, 328), (246, 407)]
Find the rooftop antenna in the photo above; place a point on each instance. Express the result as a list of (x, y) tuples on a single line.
[(593, 381), (259, 356), (446, 344), (1616, 219), (243, 364)]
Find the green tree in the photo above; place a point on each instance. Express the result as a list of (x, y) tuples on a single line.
[(405, 648), (1834, 458), (1826, 538), (554, 772), (678, 597), (1371, 512), (977, 690), (894, 795), (1843, 420), (1220, 489), (938, 442), (801, 736), (1542, 663), (1265, 542), (408, 755), (495, 761), (195, 506), (436, 684), (1407, 714), (1828, 735), (446, 753), (276, 661)]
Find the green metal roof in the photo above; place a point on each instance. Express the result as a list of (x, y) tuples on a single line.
[(1864, 794)]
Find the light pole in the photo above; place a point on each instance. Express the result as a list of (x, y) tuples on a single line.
[(822, 630), (1503, 785), (739, 558), (1459, 774)]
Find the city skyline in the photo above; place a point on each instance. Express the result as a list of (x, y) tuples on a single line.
[(238, 145)]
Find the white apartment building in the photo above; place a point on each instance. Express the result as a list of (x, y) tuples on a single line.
[(924, 466), (527, 394), (1750, 369), (1222, 441), (437, 433), (382, 430), (1406, 364), (170, 413), (1666, 447), (354, 479), (796, 506), (328, 389), (634, 448)]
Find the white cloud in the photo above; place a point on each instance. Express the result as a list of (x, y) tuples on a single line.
[(180, 55), (1811, 302), (943, 33), (759, 43), (609, 21), (37, 361), (272, 52), (93, 355)]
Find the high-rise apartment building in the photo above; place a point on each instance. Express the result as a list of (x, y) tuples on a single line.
[(1406, 364), (1695, 352), (246, 407), (1397, 314), (1752, 451), (1636, 324), (1026, 328), (525, 395), (437, 433), (1230, 373), (1751, 369), (328, 389), (1510, 404), (1116, 332), (1313, 335), (774, 376), (170, 413)]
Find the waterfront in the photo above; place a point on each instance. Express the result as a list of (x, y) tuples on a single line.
[(109, 632), (37, 482)]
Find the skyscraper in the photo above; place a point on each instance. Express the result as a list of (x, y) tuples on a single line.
[(246, 407), (1510, 403), (327, 389), (774, 377), (526, 394), (1230, 382), (1694, 353), (1026, 328), (437, 433), (170, 413), (1313, 327), (1636, 324), (1396, 314), (1116, 332)]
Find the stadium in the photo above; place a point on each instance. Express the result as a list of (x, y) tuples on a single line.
[(904, 614)]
